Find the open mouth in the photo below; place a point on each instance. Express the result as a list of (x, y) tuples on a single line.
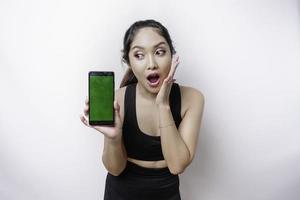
[(153, 79)]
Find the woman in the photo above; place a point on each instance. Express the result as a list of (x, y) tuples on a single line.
[(157, 121)]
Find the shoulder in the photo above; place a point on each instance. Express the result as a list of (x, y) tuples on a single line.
[(190, 92), (191, 97)]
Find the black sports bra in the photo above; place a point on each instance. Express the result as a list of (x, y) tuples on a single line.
[(140, 145)]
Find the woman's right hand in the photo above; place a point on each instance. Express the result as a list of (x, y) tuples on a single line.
[(111, 132)]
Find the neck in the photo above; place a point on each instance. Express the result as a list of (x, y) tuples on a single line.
[(145, 94)]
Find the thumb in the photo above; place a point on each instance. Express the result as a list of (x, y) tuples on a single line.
[(117, 114), (116, 106)]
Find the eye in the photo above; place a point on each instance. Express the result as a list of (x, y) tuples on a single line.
[(161, 52), (138, 56)]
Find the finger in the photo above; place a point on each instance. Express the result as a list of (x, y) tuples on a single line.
[(170, 78), (173, 67), (170, 75), (117, 115), (175, 59), (84, 120), (116, 105), (86, 110), (87, 100)]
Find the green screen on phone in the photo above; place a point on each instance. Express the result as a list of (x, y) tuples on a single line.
[(101, 97)]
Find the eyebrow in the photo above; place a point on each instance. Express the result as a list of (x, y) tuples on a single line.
[(136, 46)]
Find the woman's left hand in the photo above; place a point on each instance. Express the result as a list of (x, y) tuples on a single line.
[(162, 97)]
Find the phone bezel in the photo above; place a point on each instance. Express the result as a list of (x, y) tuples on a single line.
[(102, 73)]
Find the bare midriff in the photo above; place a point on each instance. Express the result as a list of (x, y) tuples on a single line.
[(149, 164)]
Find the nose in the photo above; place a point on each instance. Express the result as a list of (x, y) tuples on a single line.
[(151, 62)]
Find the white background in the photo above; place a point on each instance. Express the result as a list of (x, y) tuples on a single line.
[(243, 56)]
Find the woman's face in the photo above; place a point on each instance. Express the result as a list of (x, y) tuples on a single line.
[(150, 59)]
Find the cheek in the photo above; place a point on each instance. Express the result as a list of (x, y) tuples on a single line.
[(136, 66), (137, 70), (166, 65)]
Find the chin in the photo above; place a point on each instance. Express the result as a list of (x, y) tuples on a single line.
[(153, 90)]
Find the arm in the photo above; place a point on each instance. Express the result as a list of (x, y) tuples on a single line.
[(178, 145), (114, 155)]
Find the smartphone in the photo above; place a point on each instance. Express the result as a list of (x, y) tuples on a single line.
[(101, 98)]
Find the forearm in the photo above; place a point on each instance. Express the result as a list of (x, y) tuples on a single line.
[(114, 155), (174, 149)]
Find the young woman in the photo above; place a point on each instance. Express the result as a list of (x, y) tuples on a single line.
[(157, 121)]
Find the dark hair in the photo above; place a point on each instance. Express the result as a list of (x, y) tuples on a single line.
[(129, 76)]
